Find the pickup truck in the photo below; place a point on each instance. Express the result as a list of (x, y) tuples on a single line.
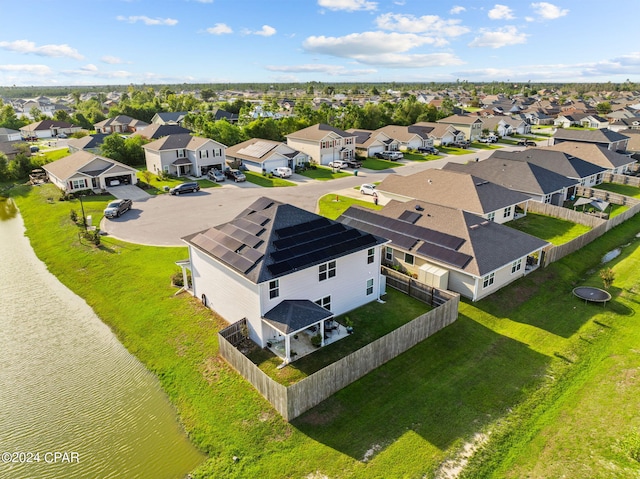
[(117, 207)]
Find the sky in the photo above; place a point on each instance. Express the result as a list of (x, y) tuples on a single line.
[(121, 42)]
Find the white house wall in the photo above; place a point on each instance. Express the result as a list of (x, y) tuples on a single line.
[(231, 295), (502, 277), (462, 283)]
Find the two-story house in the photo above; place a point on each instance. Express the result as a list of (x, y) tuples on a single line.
[(470, 125), (184, 154), (323, 143)]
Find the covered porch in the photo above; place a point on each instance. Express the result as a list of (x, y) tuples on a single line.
[(295, 328), (182, 166)]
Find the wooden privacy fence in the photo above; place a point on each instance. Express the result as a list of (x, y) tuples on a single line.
[(566, 214), (414, 288), (621, 179), (292, 401), (615, 198)]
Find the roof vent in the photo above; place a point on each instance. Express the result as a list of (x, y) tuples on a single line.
[(419, 208)]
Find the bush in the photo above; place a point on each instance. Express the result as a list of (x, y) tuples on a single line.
[(73, 215), (316, 340), (92, 236)]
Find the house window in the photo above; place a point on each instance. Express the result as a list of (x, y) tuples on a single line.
[(327, 270), (515, 267), (371, 254), (388, 253), (325, 302), (547, 198), (408, 258), (78, 184), (274, 288), (487, 280), (491, 216), (507, 212), (369, 286)]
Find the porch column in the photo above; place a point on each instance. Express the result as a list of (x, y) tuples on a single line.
[(322, 333), (185, 282), (287, 349)]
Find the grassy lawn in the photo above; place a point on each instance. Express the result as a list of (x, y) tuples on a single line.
[(331, 207), (397, 310), (323, 173), (485, 146), (157, 186), (449, 150), (551, 381), (267, 182), (553, 230), (625, 190), (378, 164), (415, 156)]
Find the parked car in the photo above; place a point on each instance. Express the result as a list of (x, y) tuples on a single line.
[(392, 155), (282, 172), (34, 149), (117, 207), (216, 175), (338, 164), (525, 142), (488, 139), (235, 175), (430, 150), (461, 144), (62, 135), (191, 187), (353, 163), (368, 189)]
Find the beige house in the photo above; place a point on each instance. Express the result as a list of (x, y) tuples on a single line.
[(184, 154), (612, 161), (265, 155), (471, 126), (449, 248), (120, 124), (442, 134), (323, 143)]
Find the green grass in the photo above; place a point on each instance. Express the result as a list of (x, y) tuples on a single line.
[(333, 206), (552, 379), (415, 156), (266, 181), (323, 173), (450, 150), (379, 164), (157, 186), (553, 230), (485, 146), (626, 190), (397, 310)]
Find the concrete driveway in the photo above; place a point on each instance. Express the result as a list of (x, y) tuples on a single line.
[(128, 191), (164, 219)]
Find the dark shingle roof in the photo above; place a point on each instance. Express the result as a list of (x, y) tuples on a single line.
[(603, 135), (290, 316), (558, 161)]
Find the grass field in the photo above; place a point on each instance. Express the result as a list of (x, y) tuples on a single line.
[(323, 173), (331, 207), (548, 383), (553, 230), (158, 186), (266, 181), (378, 164)]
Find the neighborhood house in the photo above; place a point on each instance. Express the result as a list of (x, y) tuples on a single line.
[(184, 154)]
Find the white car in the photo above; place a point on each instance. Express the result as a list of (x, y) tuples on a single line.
[(338, 164), (368, 189), (282, 172)]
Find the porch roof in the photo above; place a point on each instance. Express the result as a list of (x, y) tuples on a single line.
[(294, 315), (181, 161)]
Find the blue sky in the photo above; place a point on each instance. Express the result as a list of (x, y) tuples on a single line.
[(88, 42)]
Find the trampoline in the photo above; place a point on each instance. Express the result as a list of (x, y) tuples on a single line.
[(591, 294)]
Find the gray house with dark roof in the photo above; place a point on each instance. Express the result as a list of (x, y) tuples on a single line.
[(284, 270), (611, 140), (612, 161), (184, 154), (539, 183), (449, 248)]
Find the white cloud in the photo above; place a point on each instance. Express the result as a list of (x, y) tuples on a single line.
[(90, 70), (219, 29), (348, 5), (266, 31), (39, 70), (432, 25), (364, 44), (501, 12), (548, 11), (26, 46), (457, 9), (395, 60), (111, 60), (499, 38), (333, 70), (147, 20)]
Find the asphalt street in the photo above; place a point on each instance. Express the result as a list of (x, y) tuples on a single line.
[(164, 219)]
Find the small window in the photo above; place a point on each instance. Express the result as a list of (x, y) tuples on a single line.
[(327, 270), (507, 212), (408, 258), (274, 288), (516, 266), (488, 280), (371, 255), (388, 254), (369, 286), (325, 302), (491, 216)]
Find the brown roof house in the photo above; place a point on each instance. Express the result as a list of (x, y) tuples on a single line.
[(119, 124), (470, 125), (47, 129), (323, 143), (184, 154), (600, 155), (449, 248), (265, 155)]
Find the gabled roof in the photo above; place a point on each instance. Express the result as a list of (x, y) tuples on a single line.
[(47, 125), (460, 120), (178, 142), (171, 116), (436, 130), (450, 237), (290, 316), (603, 135), (87, 142), (593, 153), (558, 161), (157, 130), (270, 239), (120, 120), (516, 175), (258, 150), (318, 132), (404, 133), (454, 189), (66, 167)]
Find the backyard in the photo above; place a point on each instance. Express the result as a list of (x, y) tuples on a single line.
[(553, 230), (539, 383), (323, 173)]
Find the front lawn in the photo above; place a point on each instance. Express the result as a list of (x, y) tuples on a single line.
[(553, 230), (379, 164), (266, 181), (157, 185), (332, 206), (485, 146), (323, 173), (416, 156), (450, 150), (370, 322)]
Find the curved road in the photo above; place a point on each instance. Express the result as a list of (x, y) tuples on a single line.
[(162, 220)]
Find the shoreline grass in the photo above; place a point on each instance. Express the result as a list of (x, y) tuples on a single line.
[(487, 372)]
